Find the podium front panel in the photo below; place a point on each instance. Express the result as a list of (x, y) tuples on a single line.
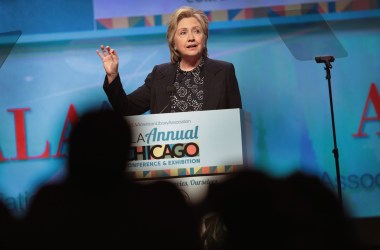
[(188, 143)]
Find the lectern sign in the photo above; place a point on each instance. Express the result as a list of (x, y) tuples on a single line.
[(187, 144)]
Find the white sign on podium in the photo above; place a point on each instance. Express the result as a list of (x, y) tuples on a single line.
[(192, 149)]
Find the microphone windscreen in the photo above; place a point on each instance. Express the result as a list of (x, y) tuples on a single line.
[(170, 89)]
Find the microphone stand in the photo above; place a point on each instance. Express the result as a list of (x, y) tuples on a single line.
[(327, 60), (171, 90)]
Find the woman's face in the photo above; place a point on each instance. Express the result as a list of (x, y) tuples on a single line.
[(189, 39)]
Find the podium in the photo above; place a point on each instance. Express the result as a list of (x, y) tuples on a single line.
[(190, 149)]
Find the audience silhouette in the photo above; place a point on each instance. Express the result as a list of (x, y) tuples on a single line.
[(97, 206), (8, 227), (252, 209), (93, 207), (318, 219), (168, 219)]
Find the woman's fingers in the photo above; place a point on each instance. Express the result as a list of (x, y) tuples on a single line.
[(105, 51), (113, 52), (110, 51), (99, 54)]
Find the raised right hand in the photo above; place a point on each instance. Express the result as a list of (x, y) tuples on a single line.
[(110, 61)]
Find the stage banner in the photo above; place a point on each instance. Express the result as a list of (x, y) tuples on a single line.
[(192, 149), (189, 143)]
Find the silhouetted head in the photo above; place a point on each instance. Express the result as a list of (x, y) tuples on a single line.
[(98, 146), (167, 219), (319, 219), (247, 209)]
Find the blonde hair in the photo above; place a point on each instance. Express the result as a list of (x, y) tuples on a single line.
[(178, 15)]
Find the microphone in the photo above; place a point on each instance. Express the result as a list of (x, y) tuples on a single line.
[(171, 90), (324, 59)]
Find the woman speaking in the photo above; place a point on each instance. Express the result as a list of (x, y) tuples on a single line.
[(190, 82)]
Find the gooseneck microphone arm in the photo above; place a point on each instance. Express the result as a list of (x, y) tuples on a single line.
[(171, 90)]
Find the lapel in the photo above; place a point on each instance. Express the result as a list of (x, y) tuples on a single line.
[(164, 77), (211, 85), (167, 75)]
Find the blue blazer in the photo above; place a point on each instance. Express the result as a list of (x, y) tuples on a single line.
[(221, 90)]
